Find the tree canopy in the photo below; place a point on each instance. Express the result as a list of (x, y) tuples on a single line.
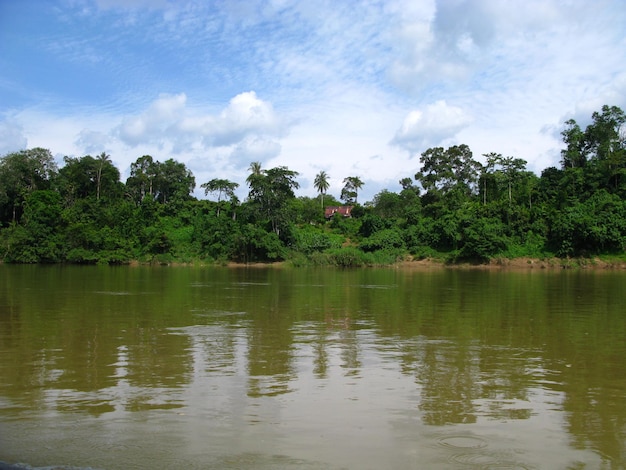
[(455, 207)]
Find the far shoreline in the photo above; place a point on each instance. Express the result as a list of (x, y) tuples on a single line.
[(520, 264), (502, 264), (409, 264)]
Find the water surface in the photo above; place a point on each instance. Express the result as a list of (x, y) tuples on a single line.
[(137, 367)]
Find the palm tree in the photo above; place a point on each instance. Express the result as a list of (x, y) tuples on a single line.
[(321, 184), (255, 170), (102, 160)]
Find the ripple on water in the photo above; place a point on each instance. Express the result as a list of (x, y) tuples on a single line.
[(474, 453), (463, 442), (475, 459), (486, 462), (506, 466)]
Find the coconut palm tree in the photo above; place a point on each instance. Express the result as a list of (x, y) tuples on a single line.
[(321, 184), (102, 160), (255, 170)]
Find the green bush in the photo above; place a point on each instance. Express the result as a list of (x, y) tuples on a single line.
[(347, 257), (310, 240), (386, 239)]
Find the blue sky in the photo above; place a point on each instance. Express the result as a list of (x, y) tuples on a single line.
[(354, 88)]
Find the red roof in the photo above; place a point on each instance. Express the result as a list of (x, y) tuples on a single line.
[(332, 210)]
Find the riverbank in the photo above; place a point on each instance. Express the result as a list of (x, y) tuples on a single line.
[(519, 264), (494, 264), (429, 263)]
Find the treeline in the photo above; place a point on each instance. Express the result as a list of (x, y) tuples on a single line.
[(454, 208)]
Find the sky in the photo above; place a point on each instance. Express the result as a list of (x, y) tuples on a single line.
[(353, 88)]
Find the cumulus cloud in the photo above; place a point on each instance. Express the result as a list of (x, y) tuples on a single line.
[(169, 122), (12, 137), (152, 125), (445, 41), (340, 82), (430, 127), (245, 115), (92, 142), (246, 129), (255, 149)]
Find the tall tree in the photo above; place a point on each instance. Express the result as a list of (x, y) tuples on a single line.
[(603, 137), (255, 170), (350, 191), (445, 170), (103, 160), (163, 182), (321, 184), (220, 186), (573, 155), (486, 174), (605, 140), (21, 173), (173, 182), (508, 170), (88, 177), (143, 173), (270, 191)]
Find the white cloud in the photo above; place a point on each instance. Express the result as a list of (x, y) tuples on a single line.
[(351, 89), (435, 124), (92, 142), (12, 137), (245, 115), (152, 125), (169, 123), (254, 148)]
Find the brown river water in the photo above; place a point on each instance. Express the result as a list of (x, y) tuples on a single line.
[(235, 368)]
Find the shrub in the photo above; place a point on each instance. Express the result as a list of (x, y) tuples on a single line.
[(386, 239), (309, 240)]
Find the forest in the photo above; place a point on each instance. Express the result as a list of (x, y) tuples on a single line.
[(454, 208)]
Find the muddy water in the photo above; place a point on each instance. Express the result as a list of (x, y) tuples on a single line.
[(117, 368)]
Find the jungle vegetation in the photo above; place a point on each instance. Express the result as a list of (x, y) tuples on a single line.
[(454, 208)]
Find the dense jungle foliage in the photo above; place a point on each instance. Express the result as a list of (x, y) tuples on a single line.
[(454, 208)]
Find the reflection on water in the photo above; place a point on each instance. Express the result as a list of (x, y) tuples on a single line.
[(264, 368)]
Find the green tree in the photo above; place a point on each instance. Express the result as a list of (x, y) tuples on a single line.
[(597, 225), (603, 137), (573, 155), (605, 141), (21, 173), (220, 186), (75, 179), (350, 191), (410, 200), (174, 182), (166, 182), (488, 184), (36, 239), (252, 243), (599, 151), (143, 173), (102, 161), (256, 174), (507, 171), (388, 204), (89, 177), (270, 191), (480, 236), (321, 184), (446, 170)]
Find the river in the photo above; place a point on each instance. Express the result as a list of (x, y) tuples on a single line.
[(247, 368)]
